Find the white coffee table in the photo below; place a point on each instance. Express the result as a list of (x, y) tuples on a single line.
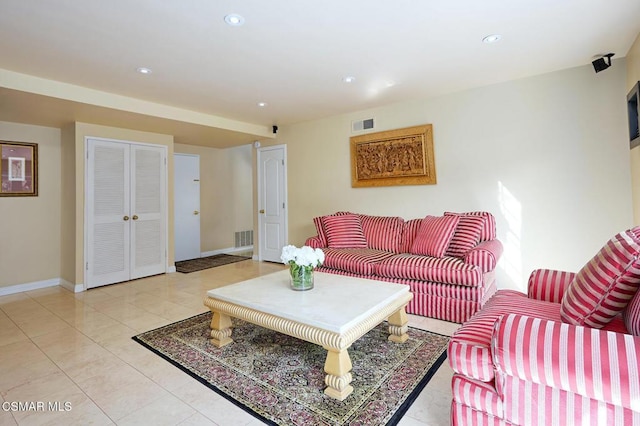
[(334, 314)]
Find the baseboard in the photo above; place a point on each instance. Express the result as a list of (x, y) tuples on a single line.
[(73, 288), (226, 250), (171, 269), (36, 285)]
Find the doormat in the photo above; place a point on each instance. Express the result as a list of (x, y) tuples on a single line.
[(193, 265), (280, 379)]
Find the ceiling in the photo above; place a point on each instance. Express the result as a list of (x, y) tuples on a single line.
[(76, 60)]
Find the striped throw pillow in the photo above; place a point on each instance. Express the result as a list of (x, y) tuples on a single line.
[(344, 231), (466, 235), (631, 315), (488, 232), (434, 235), (383, 232), (409, 232), (317, 221), (606, 284)]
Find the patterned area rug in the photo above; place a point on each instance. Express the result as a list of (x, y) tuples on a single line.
[(280, 379), (193, 265)]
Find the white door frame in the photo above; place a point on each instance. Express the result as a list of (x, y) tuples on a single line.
[(165, 207), (261, 203)]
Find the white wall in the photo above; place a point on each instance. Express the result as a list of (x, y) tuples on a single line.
[(241, 181), (547, 155)]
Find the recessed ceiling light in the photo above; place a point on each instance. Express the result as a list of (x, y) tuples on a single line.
[(143, 70), (349, 79), (492, 38), (234, 19), (262, 104)]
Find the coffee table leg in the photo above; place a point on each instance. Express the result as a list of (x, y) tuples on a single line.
[(221, 328), (338, 369), (398, 326)]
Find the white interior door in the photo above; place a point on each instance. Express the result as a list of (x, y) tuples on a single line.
[(125, 211), (187, 206), (107, 201), (272, 217), (147, 211)]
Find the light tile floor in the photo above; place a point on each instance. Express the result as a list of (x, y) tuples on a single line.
[(76, 349)]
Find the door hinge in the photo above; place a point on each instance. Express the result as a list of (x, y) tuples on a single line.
[(283, 205), (87, 266), (283, 162)]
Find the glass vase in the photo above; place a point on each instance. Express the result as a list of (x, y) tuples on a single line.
[(301, 277)]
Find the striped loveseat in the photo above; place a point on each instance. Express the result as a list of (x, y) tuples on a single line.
[(566, 353), (448, 261)]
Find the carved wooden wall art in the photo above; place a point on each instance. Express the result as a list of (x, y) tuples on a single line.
[(393, 157)]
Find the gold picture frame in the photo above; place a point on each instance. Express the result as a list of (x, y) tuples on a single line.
[(394, 157), (18, 169)]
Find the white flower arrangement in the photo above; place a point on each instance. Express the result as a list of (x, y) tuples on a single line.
[(303, 256)]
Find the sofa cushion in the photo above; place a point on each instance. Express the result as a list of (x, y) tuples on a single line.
[(466, 235), (355, 261), (606, 284), (344, 231), (469, 350), (410, 229), (434, 235), (322, 238), (383, 232), (489, 228), (438, 269), (317, 221)]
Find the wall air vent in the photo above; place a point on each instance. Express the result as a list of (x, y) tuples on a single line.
[(244, 238), (360, 125)]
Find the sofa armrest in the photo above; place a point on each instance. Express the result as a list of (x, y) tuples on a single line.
[(549, 285), (485, 255), (314, 242), (597, 364)]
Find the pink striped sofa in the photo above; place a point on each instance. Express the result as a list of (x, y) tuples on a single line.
[(448, 261), (566, 353)]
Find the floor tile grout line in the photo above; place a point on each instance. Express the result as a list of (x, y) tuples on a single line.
[(119, 358), (61, 369), (112, 353)]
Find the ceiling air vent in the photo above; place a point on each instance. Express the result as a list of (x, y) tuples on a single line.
[(360, 125)]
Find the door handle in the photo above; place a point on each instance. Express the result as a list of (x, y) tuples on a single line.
[(196, 212), (135, 217), (126, 218), (261, 211)]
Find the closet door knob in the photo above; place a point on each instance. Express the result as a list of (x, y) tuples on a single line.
[(126, 218), (135, 217)]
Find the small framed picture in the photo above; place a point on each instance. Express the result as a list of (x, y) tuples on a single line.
[(18, 169)]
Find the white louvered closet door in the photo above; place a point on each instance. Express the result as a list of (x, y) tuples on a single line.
[(125, 212), (108, 205), (147, 201)]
